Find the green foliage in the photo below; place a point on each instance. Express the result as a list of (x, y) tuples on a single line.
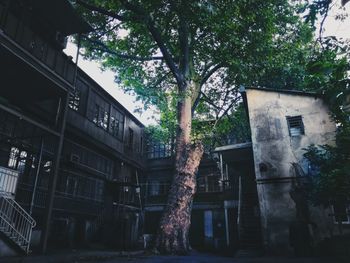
[(260, 43), (158, 134), (230, 129), (332, 181), (327, 73)]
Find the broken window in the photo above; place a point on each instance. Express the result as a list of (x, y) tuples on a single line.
[(17, 159), (98, 111), (74, 100), (295, 125)]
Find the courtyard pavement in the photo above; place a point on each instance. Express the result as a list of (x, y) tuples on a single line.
[(139, 256)]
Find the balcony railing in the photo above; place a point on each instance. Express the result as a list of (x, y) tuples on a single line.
[(16, 223), (63, 201), (54, 59), (8, 181)]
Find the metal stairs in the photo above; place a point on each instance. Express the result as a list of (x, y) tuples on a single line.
[(15, 223)]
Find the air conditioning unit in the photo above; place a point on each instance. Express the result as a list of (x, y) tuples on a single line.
[(60, 40), (74, 158)]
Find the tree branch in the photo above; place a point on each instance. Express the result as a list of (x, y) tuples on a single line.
[(323, 21), (208, 74), (196, 102), (104, 48), (184, 41), (157, 38), (101, 10)]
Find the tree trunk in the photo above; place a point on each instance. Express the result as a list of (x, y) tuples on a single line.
[(172, 236)]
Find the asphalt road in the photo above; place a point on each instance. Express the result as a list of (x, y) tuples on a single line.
[(116, 257)]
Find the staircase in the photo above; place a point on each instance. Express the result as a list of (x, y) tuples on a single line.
[(15, 223)]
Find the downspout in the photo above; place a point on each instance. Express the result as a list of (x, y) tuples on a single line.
[(36, 176), (239, 205), (227, 227)]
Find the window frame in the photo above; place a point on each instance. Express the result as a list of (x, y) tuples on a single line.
[(292, 121)]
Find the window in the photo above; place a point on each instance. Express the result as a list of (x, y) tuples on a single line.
[(89, 158), (295, 125), (141, 145), (100, 117), (71, 186), (208, 223), (98, 111), (158, 188), (131, 138), (117, 123), (74, 100), (206, 184), (158, 150), (12, 163), (17, 159), (341, 212)]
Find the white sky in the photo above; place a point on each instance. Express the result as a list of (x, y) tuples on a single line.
[(333, 27), (340, 29)]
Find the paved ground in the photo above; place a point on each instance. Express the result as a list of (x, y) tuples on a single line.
[(136, 257)]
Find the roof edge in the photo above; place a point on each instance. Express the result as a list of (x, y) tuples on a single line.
[(292, 92)]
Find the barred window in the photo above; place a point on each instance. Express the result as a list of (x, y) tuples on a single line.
[(295, 125)]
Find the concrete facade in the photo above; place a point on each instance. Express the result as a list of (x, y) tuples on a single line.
[(277, 153)]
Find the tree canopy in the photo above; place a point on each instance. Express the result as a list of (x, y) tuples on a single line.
[(153, 45)]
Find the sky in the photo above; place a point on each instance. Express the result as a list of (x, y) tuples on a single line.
[(340, 29)]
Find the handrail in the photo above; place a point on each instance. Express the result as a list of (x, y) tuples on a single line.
[(8, 181), (16, 223), (20, 209)]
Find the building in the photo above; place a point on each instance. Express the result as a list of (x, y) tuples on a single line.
[(283, 124), (212, 201), (70, 154), (72, 163)]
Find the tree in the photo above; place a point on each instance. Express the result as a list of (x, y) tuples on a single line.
[(328, 75), (180, 54)]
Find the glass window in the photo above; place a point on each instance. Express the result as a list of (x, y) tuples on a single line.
[(74, 100), (12, 163), (117, 123)]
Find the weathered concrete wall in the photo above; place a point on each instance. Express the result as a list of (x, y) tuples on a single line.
[(275, 151)]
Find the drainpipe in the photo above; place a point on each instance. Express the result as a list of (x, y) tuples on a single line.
[(36, 176), (53, 178), (222, 171), (227, 226), (239, 205)]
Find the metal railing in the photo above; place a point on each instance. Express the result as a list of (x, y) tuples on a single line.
[(8, 181), (16, 223)]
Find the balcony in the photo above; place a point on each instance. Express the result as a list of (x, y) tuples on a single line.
[(8, 182), (18, 37), (62, 201)]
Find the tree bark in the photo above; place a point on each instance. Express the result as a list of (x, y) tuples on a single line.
[(172, 236)]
